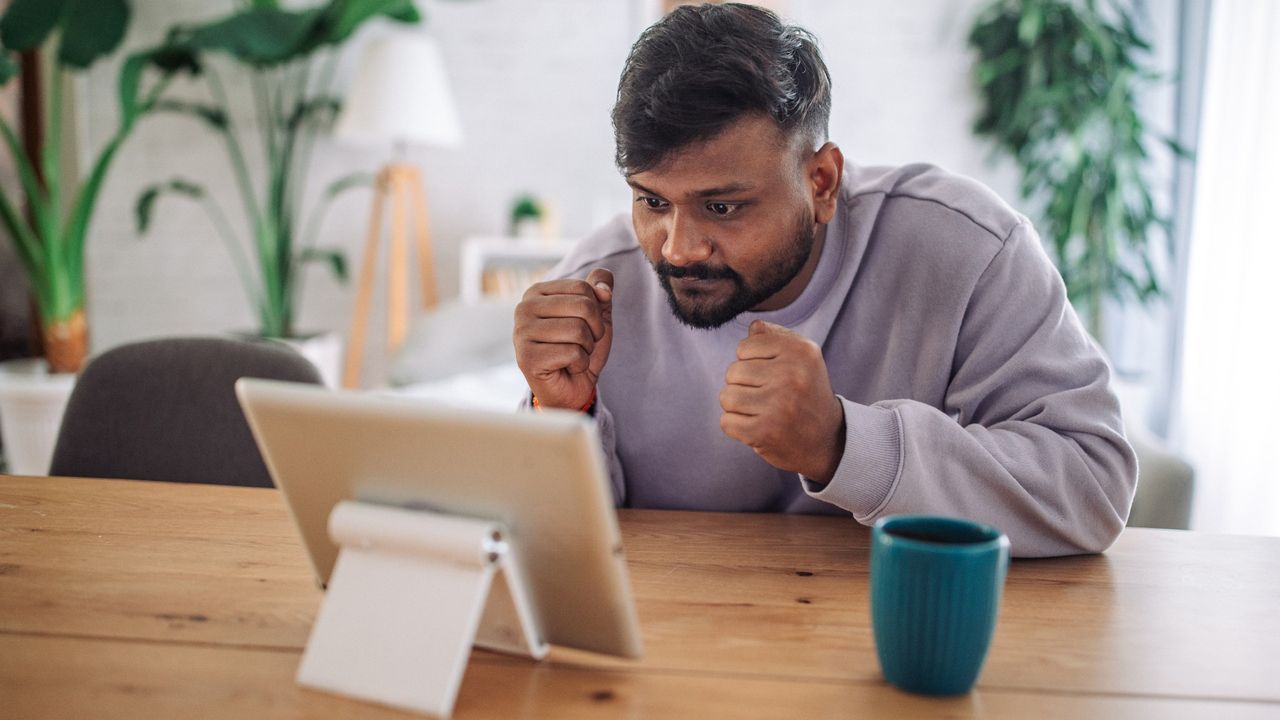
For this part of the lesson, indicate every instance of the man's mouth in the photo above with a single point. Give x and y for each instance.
(697, 285)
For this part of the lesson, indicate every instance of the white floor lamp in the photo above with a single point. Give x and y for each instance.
(399, 97)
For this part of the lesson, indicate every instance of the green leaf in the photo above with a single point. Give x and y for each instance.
(1178, 149)
(175, 58)
(1030, 23)
(145, 206)
(91, 29)
(259, 36)
(214, 116)
(75, 229)
(130, 85)
(987, 72)
(24, 239)
(37, 203)
(170, 60)
(322, 110)
(344, 18)
(348, 182)
(27, 23)
(8, 67)
(336, 259)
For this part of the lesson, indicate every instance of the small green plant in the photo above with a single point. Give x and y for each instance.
(1059, 80)
(290, 56)
(51, 245)
(526, 209)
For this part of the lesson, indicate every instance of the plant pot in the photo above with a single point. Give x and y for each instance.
(32, 401)
(324, 350)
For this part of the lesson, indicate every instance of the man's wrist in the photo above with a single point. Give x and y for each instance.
(589, 407)
(835, 452)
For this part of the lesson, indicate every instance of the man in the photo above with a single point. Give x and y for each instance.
(777, 331)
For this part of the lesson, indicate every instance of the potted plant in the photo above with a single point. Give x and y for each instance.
(289, 56)
(50, 236)
(1059, 81)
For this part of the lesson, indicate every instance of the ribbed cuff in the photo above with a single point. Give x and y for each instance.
(871, 462)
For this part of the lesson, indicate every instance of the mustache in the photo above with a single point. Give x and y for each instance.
(700, 271)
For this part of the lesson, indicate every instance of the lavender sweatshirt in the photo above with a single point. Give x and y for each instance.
(969, 386)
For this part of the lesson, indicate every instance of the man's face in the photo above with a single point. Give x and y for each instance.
(728, 224)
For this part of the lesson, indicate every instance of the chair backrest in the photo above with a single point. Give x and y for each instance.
(167, 410)
(1166, 484)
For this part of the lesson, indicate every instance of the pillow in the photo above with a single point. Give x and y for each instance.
(455, 338)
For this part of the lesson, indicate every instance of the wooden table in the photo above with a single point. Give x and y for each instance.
(151, 600)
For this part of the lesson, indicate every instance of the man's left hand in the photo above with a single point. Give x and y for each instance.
(778, 400)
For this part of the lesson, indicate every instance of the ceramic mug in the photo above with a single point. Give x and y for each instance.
(936, 584)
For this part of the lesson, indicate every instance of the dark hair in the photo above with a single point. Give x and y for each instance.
(701, 68)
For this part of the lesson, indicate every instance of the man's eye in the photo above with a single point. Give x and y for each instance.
(652, 203)
(722, 209)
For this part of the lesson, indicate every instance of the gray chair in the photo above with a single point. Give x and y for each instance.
(166, 410)
(1166, 484)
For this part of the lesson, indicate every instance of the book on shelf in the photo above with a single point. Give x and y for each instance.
(511, 280)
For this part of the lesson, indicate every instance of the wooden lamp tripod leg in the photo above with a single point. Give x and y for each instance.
(426, 258)
(364, 293)
(402, 185)
(398, 263)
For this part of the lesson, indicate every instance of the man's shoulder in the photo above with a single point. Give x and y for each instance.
(963, 198)
(612, 245)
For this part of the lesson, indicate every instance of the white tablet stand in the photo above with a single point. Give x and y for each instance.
(411, 591)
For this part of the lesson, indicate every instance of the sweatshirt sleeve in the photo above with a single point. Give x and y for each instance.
(1030, 440)
(609, 443)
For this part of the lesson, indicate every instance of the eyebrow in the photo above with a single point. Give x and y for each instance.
(730, 189)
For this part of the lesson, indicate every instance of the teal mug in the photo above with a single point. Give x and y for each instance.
(936, 584)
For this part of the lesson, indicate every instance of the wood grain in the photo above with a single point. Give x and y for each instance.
(70, 678)
(735, 609)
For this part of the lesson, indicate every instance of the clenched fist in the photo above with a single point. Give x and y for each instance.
(778, 400)
(563, 331)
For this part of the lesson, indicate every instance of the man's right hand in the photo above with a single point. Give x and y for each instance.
(563, 330)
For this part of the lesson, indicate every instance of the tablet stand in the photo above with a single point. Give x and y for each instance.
(411, 591)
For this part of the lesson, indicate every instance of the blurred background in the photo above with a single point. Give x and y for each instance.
(517, 164)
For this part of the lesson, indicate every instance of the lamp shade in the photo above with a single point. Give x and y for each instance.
(400, 94)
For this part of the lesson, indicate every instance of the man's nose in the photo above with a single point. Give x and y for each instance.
(685, 243)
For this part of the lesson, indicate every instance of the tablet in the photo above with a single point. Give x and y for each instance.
(540, 474)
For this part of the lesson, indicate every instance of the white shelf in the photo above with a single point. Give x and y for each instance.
(523, 259)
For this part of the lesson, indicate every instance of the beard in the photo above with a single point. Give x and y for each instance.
(704, 311)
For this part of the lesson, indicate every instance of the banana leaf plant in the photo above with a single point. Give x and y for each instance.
(50, 235)
(289, 56)
(1060, 81)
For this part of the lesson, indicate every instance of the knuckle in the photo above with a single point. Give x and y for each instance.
(812, 351)
(737, 371)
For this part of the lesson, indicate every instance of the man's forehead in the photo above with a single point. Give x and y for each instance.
(743, 157)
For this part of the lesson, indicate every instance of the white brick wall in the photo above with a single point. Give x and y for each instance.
(534, 83)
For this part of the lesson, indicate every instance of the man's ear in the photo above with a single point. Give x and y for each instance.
(824, 170)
